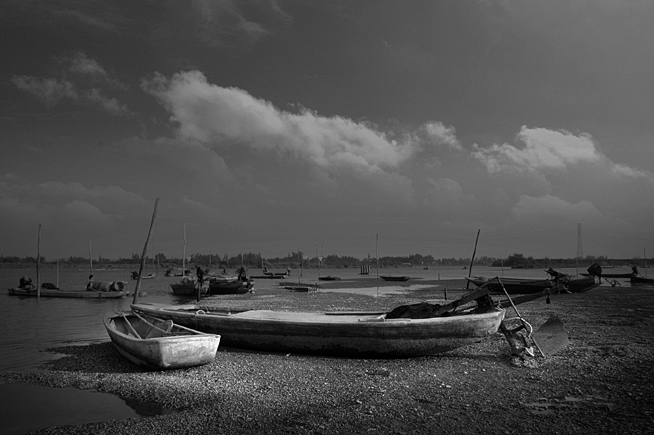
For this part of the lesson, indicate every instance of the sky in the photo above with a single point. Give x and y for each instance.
(346, 127)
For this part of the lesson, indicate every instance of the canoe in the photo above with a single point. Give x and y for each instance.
(188, 288)
(150, 275)
(329, 278)
(517, 286)
(157, 344)
(229, 287)
(345, 334)
(395, 277)
(272, 275)
(67, 293)
(640, 280)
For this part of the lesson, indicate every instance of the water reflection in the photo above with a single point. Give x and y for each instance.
(26, 407)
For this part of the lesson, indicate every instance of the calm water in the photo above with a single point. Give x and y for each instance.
(30, 326)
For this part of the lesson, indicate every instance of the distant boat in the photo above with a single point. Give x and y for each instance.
(610, 275)
(272, 275)
(329, 278)
(159, 344)
(640, 280)
(188, 288)
(395, 277)
(151, 275)
(512, 285)
(67, 293)
(219, 286)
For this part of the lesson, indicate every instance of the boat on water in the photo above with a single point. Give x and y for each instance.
(353, 334)
(265, 274)
(395, 277)
(151, 275)
(67, 293)
(516, 286)
(157, 344)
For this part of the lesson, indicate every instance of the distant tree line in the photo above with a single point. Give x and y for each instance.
(300, 259)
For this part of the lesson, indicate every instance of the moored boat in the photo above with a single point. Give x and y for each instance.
(395, 277)
(641, 280)
(189, 288)
(227, 287)
(512, 285)
(58, 293)
(159, 344)
(340, 333)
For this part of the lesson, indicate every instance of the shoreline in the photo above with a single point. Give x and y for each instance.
(601, 383)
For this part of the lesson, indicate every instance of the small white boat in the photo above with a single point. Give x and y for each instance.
(158, 344)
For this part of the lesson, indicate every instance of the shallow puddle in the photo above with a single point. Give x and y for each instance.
(26, 407)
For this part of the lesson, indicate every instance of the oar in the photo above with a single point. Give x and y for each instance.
(150, 324)
(129, 325)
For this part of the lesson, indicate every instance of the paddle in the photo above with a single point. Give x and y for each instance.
(151, 325)
(129, 325)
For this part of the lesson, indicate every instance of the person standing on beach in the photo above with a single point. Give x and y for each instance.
(90, 284)
(200, 274)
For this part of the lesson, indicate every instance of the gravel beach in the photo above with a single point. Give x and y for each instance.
(603, 382)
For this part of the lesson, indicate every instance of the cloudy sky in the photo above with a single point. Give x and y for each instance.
(274, 126)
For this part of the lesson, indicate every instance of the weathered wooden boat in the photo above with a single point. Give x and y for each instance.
(641, 280)
(157, 344)
(272, 275)
(67, 293)
(329, 278)
(341, 333)
(395, 277)
(516, 286)
(188, 288)
(151, 275)
(229, 287)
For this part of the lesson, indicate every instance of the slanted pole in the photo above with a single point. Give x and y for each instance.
(474, 252)
(145, 250)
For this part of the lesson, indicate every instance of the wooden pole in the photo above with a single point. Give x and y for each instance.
(90, 259)
(145, 250)
(474, 252)
(38, 263)
(377, 253)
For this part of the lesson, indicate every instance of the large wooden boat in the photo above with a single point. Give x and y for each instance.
(641, 280)
(67, 293)
(229, 286)
(159, 344)
(188, 288)
(517, 286)
(342, 333)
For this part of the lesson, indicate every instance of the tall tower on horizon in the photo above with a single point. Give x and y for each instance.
(580, 248)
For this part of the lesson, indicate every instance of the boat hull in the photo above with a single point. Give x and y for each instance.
(394, 278)
(67, 293)
(187, 289)
(186, 348)
(513, 286)
(639, 280)
(229, 288)
(361, 336)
